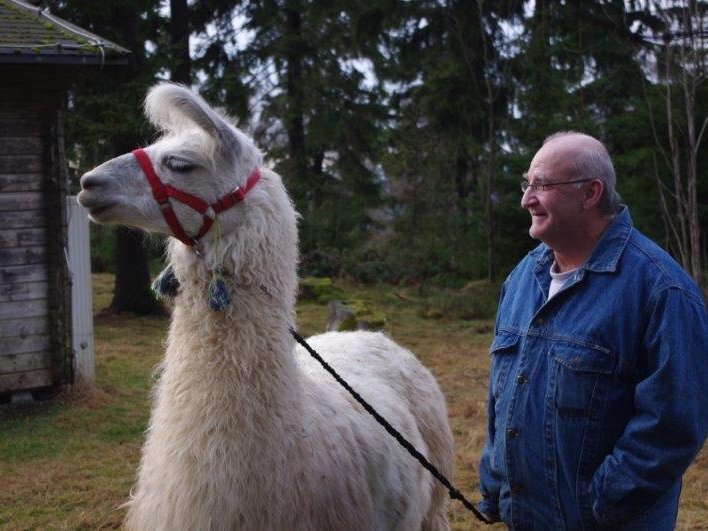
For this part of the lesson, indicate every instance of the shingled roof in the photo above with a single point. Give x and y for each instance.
(30, 35)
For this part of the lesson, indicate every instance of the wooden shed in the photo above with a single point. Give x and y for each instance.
(40, 54)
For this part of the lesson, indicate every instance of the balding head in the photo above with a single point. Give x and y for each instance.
(575, 140)
(584, 157)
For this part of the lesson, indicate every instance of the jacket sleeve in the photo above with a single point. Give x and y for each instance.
(489, 486)
(670, 417)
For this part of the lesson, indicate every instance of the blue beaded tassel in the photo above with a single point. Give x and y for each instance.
(219, 295)
(165, 286)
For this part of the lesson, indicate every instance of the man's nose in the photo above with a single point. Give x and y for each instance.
(528, 198)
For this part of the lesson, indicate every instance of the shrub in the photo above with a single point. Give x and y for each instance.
(321, 263)
(476, 300)
(319, 289)
(360, 316)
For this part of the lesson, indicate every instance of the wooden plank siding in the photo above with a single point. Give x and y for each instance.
(25, 380)
(23, 309)
(38, 344)
(33, 347)
(21, 163)
(24, 291)
(12, 256)
(18, 201)
(24, 145)
(22, 274)
(15, 363)
(25, 237)
(17, 126)
(38, 325)
(20, 182)
(33, 361)
(22, 219)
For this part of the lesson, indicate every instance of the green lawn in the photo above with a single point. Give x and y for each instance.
(70, 463)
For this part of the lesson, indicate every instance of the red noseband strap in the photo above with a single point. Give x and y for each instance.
(162, 193)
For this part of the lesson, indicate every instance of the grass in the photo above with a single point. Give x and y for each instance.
(69, 463)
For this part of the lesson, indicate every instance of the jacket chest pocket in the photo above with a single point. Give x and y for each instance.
(504, 351)
(581, 378)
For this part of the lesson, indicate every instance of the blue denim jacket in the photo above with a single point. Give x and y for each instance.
(598, 397)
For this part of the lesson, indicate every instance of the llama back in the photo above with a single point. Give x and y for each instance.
(397, 385)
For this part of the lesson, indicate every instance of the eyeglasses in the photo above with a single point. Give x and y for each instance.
(541, 186)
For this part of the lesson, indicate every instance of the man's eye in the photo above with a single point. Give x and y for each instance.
(177, 164)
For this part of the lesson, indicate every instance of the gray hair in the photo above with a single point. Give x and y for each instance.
(595, 163)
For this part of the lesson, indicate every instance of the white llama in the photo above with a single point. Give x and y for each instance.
(247, 431)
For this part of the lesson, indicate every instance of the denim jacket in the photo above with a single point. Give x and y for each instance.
(598, 396)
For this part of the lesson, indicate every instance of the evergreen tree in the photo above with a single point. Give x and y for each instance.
(450, 61)
(317, 117)
(402, 128)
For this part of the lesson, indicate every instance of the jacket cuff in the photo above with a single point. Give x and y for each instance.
(488, 510)
(605, 514)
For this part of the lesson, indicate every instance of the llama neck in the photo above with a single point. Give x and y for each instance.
(244, 353)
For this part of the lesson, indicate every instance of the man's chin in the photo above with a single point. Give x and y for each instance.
(535, 232)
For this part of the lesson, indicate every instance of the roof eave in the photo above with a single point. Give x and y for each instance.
(14, 56)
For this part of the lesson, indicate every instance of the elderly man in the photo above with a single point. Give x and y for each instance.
(599, 377)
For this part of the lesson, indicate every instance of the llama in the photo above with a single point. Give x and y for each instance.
(247, 431)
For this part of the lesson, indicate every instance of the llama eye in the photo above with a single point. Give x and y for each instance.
(180, 165)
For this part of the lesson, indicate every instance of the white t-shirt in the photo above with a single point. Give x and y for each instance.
(558, 279)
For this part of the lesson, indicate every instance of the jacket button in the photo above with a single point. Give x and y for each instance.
(541, 321)
(512, 432)
(517, 488)
(521, 379)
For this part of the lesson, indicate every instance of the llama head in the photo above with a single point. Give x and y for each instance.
(202, 154)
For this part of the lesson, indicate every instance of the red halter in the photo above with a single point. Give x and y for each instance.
(162, 192)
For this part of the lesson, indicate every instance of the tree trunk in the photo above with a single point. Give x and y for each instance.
(490, 174)
(692, 69)
(131, 288)
(179, 40)
(680, 55)
(295, 113)
(489, 219)
(131, 292)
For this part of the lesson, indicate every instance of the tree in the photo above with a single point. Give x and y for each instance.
(318, 119)
(682, 54)
(450, 61)
(181, 63)
(401, 128)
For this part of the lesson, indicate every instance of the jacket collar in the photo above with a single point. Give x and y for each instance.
(608, 250)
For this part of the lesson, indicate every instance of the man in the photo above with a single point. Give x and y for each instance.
(598, 385)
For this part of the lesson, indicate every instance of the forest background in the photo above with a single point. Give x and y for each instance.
(402, 129)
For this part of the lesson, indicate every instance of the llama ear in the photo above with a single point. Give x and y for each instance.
(171, 107)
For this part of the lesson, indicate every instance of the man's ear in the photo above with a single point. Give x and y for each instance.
(593, 193)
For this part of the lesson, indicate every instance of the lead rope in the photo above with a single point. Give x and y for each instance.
(454, 493)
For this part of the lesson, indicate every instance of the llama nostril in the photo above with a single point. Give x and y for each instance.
(88, 181)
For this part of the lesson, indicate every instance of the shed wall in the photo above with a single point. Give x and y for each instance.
(33, 346)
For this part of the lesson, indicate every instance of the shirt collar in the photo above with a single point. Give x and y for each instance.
(608, 250)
